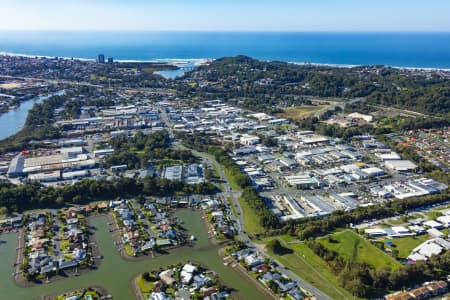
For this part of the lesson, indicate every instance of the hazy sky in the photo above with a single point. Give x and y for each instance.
(248, 15)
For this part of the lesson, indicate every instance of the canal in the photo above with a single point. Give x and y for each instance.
(116, 274)
(13, 120)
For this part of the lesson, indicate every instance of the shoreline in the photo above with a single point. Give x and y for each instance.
(173, 61)
(99, 289)
(202, 61)
(124, 255)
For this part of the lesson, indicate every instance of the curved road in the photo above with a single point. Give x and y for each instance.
(234, 195)
(228, 192)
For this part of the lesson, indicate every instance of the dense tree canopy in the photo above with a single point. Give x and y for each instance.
(261, 85)
(33, 195)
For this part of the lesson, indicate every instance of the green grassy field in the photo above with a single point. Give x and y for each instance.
(311, 268)
(233, 208)
(251, 219)
(433, 215)
(145, 286)
(231, 180)
(443, 208)
(356, 248)
(398, 221)
(407, 244)
(301, 112)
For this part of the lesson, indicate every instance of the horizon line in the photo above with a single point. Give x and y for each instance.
(218, 31)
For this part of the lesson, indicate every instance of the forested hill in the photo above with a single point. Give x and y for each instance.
(259, 84)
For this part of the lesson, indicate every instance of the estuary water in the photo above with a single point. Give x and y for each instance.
(13, 120)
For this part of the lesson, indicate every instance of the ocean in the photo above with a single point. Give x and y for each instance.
(422, 50)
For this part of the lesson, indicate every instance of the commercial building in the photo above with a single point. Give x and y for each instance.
(393, 232)
(45, 176)
(400, 165)
(346, 202)
(318, 204)
(388, 155)
(249, 140)
(68, 159)
(173, 172)
(373, 171)
(101, 58)
(75, 174)
(303, 181)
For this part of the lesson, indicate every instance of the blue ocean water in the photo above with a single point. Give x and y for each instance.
(427, 50)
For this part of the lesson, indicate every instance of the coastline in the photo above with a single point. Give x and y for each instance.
(202, 61)
(175, 61)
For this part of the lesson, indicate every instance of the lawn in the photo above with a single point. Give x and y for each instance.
(301, 112)
(287, 239)
(433, 215)
(145, 286)
(251, 220)
(231, 180)
(128, 250)
(353, 247)
(398, 221)
(443, 207)
(233, 208)
(313, 269)
(94, 295)
(407, 244)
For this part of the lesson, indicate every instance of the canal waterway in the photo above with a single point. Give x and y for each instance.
(116, 274)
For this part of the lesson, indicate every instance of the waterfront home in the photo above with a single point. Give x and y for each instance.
(166, 276)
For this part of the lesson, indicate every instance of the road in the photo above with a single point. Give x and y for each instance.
(244, 237)
(138, 209)
(57, 251)
(229, 193)
(239, 220)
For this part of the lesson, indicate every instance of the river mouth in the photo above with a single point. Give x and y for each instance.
(116, 275)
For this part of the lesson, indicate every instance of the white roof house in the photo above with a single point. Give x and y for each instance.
(433, 224)
(375, 232)
(416, 257)
(444, 220)
(400, 229)
(435, 233)
(189, 268)
(429, 248)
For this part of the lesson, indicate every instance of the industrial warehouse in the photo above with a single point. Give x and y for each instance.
(53, 166)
